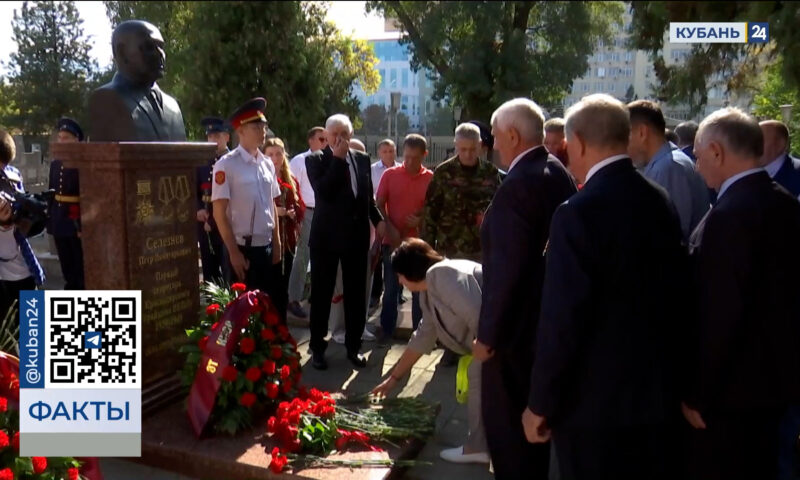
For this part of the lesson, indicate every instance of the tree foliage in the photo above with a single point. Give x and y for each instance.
(219, 54)
(483, 53)
(374, 119)
(50, 73)
(736, 64)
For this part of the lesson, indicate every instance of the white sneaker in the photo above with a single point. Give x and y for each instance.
(338, 338)
(367, 336)
(457, 455)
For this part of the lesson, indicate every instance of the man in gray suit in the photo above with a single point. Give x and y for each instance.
(450, 298)
(132, 107)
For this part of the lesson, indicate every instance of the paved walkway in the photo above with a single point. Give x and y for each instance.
(428, 379)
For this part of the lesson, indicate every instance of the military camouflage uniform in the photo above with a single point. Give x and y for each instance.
(456, 200)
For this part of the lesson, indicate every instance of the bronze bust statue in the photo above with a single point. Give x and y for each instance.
(131, 107)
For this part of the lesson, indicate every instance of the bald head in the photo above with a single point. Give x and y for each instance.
(776, 140)
(728, 142)
(139, 52)
(358, 145)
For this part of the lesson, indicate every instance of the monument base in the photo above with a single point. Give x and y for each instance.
(169, 444)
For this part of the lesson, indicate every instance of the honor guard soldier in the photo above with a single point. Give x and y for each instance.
(211, 244)
(243, 192)
(64, 224)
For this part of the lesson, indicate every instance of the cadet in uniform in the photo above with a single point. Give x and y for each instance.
(243, 192)
(459, 193)
(211, 246)
(65, 215)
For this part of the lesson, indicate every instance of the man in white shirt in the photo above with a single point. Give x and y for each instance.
(243, 194)
(387, 152)
(297, 280)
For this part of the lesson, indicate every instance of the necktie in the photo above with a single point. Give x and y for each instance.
(155, 101)
(30, 259)
(353, 174)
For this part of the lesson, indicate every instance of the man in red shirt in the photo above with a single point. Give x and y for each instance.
(400, 198)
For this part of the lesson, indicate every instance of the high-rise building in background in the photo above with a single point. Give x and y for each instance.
(415, 88)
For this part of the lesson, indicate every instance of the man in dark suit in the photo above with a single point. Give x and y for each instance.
(342, 183)
(745, 365)
(513, 236)
(131, 107)
(604, 379)
(776, 160)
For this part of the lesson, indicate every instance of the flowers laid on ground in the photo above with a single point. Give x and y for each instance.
(12, 466)
(263, 370)
(315, 425)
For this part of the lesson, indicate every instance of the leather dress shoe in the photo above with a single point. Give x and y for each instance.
(357, 360)
(318, 361)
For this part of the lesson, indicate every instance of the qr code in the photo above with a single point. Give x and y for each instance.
(93, 339)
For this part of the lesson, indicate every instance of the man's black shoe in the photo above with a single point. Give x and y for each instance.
(318, 361)
(357, 360)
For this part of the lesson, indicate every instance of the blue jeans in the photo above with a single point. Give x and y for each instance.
(391, 289)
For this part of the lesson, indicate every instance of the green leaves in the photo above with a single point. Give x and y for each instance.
(51, 71)
(735, 64)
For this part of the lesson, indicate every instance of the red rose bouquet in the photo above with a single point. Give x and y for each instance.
(263, 370)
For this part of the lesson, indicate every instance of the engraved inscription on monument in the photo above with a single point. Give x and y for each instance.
(163, 263)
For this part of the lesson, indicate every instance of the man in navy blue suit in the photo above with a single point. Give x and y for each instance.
(745, 363)
(604, 379)
(781, 166)
(513, 237)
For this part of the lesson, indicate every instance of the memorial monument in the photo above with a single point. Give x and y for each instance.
(131, 108)
(137, 202)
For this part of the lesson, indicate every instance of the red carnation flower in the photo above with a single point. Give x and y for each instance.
(230, 373)
(4, 440)
(214, 327)
(276, 352)
(269, 367)
(278, 462)
(285, 372)
(247, 399)
(3, 404)
(272, 424)
(287, 387)
(267, 334)
(341, 442)
(6, 474)
(238, 287)
(202, 343)
(73, 474)
(253, 374)
(39, 464)
(247, 345)
(272, 390)
(272, 318)
(212, 309)
(15, 441)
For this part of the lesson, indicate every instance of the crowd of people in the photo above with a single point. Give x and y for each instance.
(626, 296)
